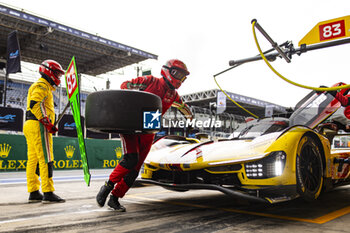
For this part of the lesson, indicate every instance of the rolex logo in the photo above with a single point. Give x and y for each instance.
(69, 151)
(5, 150)
(118, 152)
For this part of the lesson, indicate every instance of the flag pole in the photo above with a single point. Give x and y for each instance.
(5, 88)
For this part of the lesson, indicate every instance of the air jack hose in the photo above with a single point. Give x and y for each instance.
(287, 80)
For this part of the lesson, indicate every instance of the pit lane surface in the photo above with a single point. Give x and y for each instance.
(154, 209)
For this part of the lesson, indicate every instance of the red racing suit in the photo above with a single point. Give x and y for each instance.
(345, 102)
(137, 146)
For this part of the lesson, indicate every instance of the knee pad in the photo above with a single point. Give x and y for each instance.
(129, 161)
(130, 177)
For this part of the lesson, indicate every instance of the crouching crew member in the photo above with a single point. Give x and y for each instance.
(137, 146)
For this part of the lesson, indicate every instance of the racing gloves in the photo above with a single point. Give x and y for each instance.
(48, 125)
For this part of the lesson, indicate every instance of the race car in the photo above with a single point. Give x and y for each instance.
(272, 160)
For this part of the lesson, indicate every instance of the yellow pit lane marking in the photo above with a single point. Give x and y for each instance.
(320, 220)
(332, 215)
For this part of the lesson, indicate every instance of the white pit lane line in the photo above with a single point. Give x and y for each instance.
(55, 179)
(102, 209)
(53, 215)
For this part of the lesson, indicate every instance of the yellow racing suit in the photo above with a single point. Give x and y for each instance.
(39, 141)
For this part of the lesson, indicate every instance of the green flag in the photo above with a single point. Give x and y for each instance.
(72, 87)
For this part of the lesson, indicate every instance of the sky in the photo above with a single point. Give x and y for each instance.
(206, 35)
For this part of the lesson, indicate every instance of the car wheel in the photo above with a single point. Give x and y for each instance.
(309, 169)
(120, 111)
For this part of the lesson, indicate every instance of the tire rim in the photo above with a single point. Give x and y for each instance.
(310, 168)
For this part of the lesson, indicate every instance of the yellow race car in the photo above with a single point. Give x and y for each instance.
(272, 160)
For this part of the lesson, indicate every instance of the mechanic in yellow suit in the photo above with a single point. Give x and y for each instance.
(38, 129)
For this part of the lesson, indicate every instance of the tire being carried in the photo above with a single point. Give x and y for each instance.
(121, 111)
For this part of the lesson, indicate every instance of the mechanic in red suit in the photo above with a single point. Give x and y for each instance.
(339, 122)
(137, 146)
(344, 100)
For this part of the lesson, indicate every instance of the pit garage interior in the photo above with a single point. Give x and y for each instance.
(40, 39)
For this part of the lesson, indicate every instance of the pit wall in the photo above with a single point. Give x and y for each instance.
(101, 153)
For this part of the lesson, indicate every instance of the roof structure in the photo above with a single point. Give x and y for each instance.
(257, 107)
(42, 39)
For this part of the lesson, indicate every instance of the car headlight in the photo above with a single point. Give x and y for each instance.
(270, 166)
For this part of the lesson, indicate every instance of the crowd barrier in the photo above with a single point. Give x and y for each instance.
(101, 153)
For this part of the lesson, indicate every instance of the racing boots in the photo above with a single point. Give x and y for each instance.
(50, 197)
(35, 196)
(103, 193)
(114, 204)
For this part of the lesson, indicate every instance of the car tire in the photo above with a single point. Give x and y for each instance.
(120, 111)
(309, 169)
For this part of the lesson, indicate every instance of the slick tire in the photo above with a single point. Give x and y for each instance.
(309, 169)
(120, 111)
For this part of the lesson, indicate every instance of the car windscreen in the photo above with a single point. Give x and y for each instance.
(263, 127)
